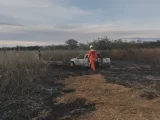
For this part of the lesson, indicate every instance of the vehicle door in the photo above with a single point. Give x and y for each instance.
(86, 61)
(99, 60)
(79, 60)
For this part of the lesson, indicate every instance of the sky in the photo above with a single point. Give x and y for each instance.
(45, 22)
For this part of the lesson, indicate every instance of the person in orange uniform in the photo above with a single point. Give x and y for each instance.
(92, 56)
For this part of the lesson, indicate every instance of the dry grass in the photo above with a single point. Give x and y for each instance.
(19, 74)
(18, 71)
(24, 66)
(61, 55)
(144, 55)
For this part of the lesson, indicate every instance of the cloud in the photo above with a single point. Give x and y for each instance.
(54, 21)
(38, 12)
(4, 43)
(100, 10)
(56, 34)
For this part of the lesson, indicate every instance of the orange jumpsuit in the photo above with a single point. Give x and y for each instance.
(92, 55)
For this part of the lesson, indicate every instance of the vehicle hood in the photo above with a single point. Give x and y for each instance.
(73, 59)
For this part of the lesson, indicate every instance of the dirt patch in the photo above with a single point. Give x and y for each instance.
(149, 95)
(111, 101)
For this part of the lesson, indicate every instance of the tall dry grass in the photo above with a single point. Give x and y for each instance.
(143, 55)
(18, 71)
(61, 55)
(19, 77)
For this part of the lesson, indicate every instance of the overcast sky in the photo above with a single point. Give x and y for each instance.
(42, 22)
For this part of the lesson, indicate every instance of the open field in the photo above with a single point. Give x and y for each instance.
(151, 55)
(32, 90)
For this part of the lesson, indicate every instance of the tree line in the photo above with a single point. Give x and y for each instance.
(101, 44)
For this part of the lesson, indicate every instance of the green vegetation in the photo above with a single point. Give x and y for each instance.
(100, 44)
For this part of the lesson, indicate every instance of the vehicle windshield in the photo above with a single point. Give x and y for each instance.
(80, 57)
(97, 55)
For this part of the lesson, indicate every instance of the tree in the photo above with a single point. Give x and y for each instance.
(72, 43)
(83, 46)
(139, 41)
(118, 41)
(104, 43)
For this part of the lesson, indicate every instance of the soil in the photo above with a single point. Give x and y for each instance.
(112, 101)
(125, 91)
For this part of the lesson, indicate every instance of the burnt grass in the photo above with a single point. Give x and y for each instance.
(132, 74)
(42, 104)
(139, 75)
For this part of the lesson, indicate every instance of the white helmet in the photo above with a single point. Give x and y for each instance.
(91, 46)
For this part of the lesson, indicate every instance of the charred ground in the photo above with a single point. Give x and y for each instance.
(43, 104)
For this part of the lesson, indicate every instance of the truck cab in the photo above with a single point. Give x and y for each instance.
(82, 60)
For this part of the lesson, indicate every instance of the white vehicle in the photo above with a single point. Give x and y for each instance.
(82, 60)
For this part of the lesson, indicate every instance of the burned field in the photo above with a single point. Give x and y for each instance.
(42, 104)
(39, 103)
(132, 74)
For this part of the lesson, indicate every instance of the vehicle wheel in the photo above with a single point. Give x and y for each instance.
(109, 65)
(98, 64)
(72, 64)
